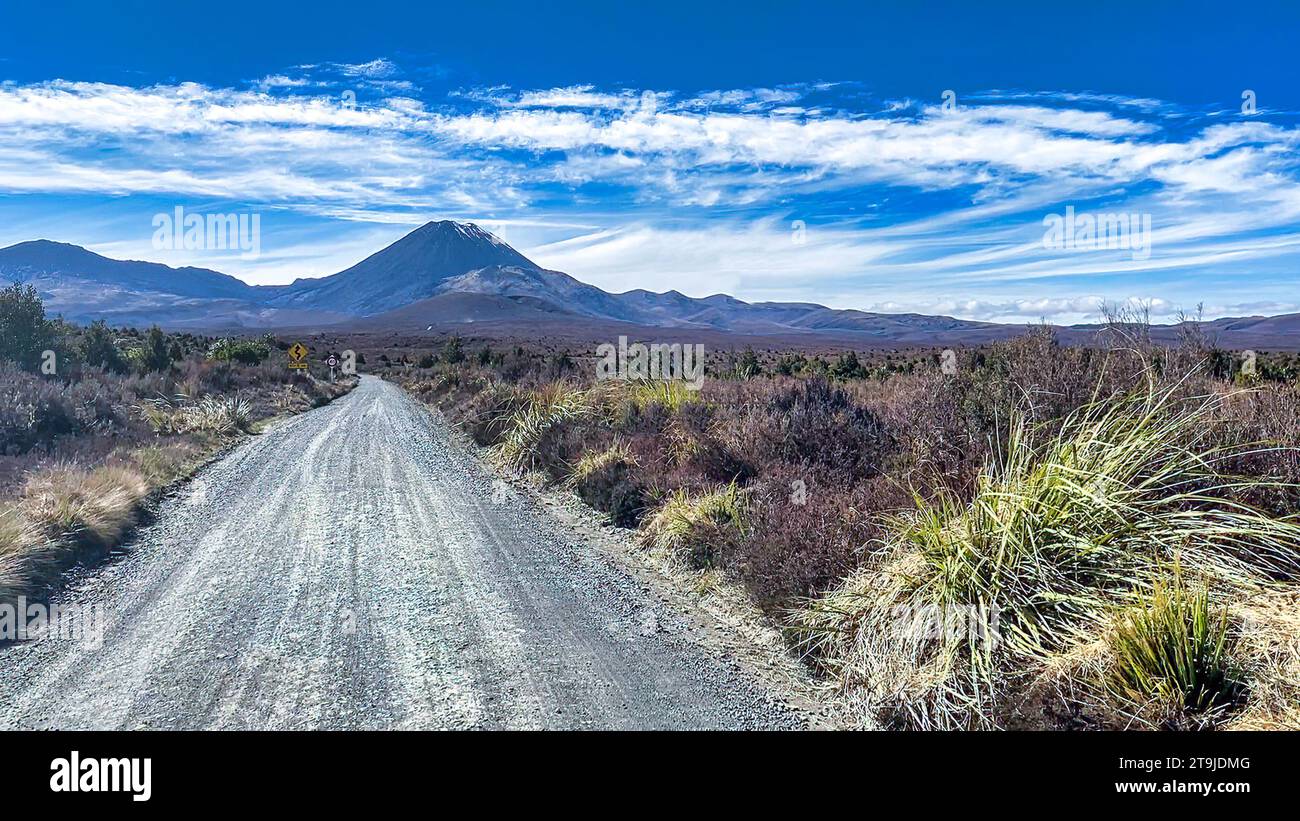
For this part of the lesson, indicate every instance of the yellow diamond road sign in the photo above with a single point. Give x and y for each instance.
(297, 355)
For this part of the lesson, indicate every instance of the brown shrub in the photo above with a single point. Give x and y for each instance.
(811, 423)
(805, 534)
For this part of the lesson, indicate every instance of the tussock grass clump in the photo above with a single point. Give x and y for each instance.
(93, 505)
(24, 553)
(604, 479)
(1058, 536)
(1170, 655)
(211, 414)
(62, 509)
(671, 395)
(697, 529)
(545, 412)
(492, 412)
(617, 454)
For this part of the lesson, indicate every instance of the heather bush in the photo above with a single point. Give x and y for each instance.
(37, 411)
(814, 424)
(806, 534)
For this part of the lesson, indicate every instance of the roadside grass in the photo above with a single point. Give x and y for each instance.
(544, 414)
(210, 414)
(493, 412)
(605, 481)
(24, 553)
(161, 465)
(1058, 538)
(696, 530)
(61, 512)
(93, 505)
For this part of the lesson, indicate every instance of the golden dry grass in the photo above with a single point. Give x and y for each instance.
(596, 461)
(1268, 649)
(97, 505)
(24, 552)
(163, 464)
(693, 529)
(62, 509)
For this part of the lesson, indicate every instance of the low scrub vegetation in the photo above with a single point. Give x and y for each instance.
(93, 420)
(1057, 539)
(1103, 536)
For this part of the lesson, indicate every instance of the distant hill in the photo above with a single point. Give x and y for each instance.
(448, 274)
(47, 264)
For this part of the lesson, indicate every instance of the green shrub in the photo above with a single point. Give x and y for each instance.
(99, 350)
(25, 333)
(453, 352)
(155, 355)
(243, 351)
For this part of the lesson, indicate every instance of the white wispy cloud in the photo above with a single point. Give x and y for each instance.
(698, 191)
(379, 68)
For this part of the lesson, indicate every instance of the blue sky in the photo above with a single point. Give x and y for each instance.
(771, 151)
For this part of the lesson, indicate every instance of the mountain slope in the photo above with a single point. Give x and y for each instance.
(455, 308)
(45, 263)
(409, 270)
(555, 287)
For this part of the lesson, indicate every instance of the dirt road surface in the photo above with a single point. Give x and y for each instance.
(357, 567)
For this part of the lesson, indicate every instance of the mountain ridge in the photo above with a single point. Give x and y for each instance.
(414, 283)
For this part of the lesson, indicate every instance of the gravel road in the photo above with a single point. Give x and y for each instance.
(357, 567)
